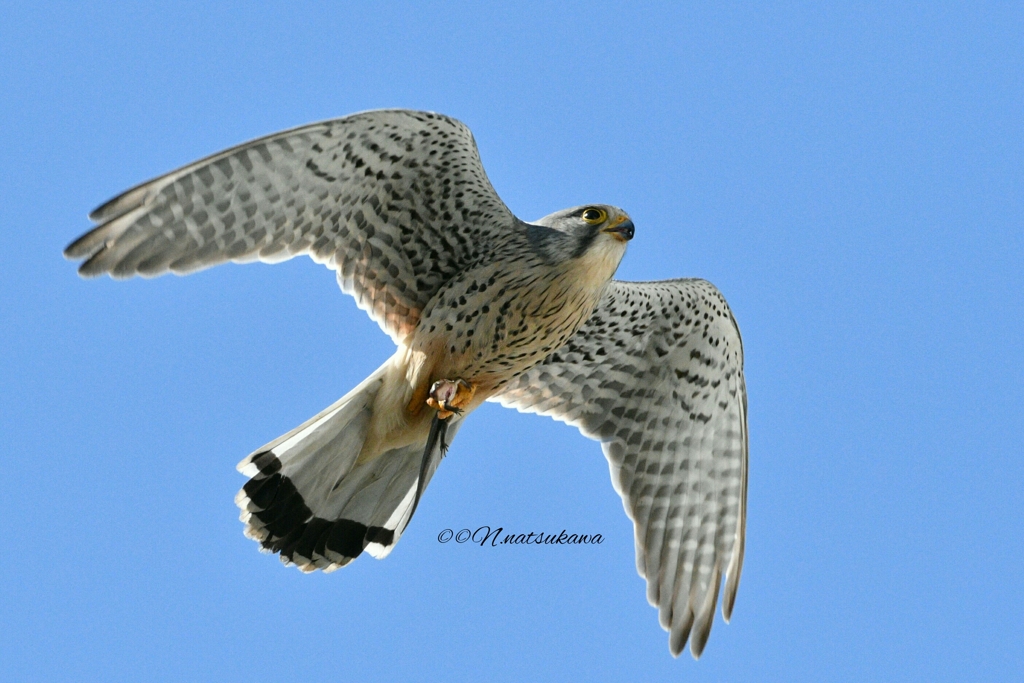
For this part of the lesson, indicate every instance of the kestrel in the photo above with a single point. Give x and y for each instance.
(482, 306)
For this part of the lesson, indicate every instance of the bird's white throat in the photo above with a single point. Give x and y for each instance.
(599, 263)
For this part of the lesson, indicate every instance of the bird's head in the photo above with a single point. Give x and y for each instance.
(585, 230)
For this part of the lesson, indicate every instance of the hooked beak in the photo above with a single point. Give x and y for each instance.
(623, 230)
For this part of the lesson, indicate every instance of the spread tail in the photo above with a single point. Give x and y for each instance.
(309, 500)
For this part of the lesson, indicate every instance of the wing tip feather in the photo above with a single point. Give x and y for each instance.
(679, 634)
(122, 203)
(732, 584)
(706, 619)
(86, 245)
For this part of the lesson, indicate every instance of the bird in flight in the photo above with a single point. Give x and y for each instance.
(482, 307)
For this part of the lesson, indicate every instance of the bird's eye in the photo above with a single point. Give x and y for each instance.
(594, 216)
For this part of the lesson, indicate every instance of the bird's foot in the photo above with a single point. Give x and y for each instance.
(450, 397)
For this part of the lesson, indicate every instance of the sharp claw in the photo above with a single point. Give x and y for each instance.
(448, 397)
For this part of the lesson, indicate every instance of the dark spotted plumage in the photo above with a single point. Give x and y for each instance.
(656, 375)
(398, 204)
(396, 201)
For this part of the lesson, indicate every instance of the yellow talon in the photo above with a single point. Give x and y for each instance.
(450, 397)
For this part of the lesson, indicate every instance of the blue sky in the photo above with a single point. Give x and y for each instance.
(850, 175)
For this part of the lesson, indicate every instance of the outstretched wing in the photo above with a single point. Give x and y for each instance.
(396, 201)
(656, 375)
